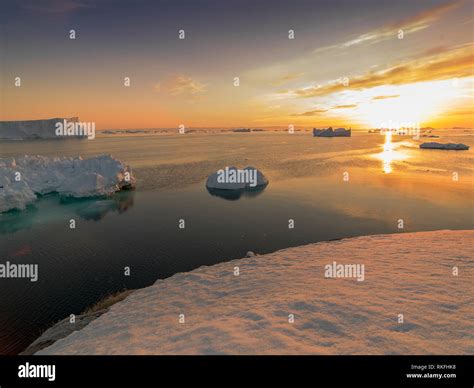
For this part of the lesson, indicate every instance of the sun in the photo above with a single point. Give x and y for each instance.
(408, 106)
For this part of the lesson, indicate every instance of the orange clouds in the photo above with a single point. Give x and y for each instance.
(349, 106)
(286, 78)
(315, 112)
(318, 112)
(385, 97)
(180, 85)
(453, 63)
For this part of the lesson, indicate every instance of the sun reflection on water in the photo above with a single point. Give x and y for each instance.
(387, 155)
(393, 152)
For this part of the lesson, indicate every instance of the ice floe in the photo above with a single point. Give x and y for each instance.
(23, 178)
(445, 146)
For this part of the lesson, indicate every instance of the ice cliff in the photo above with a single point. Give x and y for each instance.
(32, 129)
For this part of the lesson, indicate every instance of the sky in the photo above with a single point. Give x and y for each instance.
(353, 63)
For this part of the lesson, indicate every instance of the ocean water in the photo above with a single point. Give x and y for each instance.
(329, 188)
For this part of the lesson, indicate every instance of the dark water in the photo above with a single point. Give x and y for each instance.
(140, 229)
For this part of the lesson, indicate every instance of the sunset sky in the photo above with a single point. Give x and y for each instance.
(427, 77)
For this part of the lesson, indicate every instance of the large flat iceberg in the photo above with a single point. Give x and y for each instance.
(23, 178)
(33, 129)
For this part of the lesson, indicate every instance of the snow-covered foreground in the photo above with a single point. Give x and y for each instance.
(21, 179)
(409, 274)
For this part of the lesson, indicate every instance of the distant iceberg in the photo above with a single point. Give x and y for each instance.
(329, 132)
(33, 129)
(445, 146)
(22, 179)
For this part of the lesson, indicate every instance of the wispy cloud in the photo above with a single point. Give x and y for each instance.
(415, 23)
(318, 112)
(315, 112)
(349, 106)
(286, 78)
(385, 97)
(56, 7)
(452, 63)
(181, 85)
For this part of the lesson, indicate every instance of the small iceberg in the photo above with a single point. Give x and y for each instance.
(22, 179)
(231, 182)
(329, 132)
(445, 146)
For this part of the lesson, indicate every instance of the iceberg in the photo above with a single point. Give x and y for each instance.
(445, 146)
(231, 178)
(231, 183)
(338, 132)
(33, 129)
(23, 178)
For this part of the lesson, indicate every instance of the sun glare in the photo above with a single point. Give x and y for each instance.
(391, 152)
(387, 154)
(407, 105)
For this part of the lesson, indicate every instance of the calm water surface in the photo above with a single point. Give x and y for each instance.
(386, 179)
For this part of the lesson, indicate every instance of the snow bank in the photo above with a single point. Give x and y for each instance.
(32, 129)
(21, 179)
(409, 274)
(445, 146)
